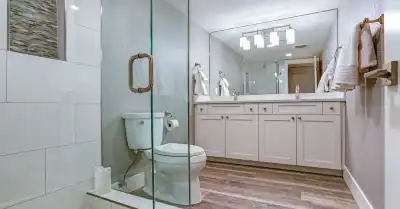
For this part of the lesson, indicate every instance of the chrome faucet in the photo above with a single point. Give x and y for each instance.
(297, 92)
(235, 95)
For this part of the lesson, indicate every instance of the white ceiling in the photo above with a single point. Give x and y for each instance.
(312, 30)
(213, 15)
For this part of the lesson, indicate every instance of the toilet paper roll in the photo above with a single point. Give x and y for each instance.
(172, 124)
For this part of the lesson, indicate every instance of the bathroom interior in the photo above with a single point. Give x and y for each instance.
(201, 104)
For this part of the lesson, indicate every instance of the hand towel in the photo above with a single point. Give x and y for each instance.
(346, 75)
(199, 78)
(224, 87)
(323, 85)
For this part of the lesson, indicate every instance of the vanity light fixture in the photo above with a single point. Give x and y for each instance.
(259, 40)
(243, 39)
(246, 45)
(289, 54)
(274, 38)
(290, 36)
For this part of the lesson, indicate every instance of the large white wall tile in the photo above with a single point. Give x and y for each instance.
(3, 75)
(87, 122)
(3, 24)
(22, 177)
(83, 45)
(29, 126)
(89, 14)
(36, 79)
(70, 165)
(69, 198)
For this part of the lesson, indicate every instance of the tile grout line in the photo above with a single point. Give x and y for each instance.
(49, 148)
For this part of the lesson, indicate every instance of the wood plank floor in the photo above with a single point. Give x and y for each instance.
(227, 186)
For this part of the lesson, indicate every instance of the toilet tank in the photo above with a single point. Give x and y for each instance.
(138, 129)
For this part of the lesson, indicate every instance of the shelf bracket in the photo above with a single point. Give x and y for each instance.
(388, 75)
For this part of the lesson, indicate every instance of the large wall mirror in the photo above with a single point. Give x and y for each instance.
(273, 57)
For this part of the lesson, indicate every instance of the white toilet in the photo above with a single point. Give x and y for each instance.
(171, 161)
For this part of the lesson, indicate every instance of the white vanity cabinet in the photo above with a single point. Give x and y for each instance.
(277, 139)
(292, 133)
(210, 134)
(242, 137)
(319, 141)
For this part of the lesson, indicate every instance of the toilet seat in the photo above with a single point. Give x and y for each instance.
(177, 154)
(178, 150)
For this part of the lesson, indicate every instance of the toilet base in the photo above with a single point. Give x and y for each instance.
(173, 190)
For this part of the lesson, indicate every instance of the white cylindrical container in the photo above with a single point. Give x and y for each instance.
(138, 129)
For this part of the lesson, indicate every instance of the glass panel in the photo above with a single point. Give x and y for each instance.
(148, 152)
(171, 95)
(127, 119)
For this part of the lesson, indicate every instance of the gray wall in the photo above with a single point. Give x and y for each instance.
(365, 113)
(228, 61)
(263, 76)
(125, 32)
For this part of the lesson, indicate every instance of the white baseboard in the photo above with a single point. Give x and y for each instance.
(355, 189)
(133, 183)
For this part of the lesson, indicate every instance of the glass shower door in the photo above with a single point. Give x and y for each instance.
(145, 83)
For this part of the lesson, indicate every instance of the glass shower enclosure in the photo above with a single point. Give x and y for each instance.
(145, 82)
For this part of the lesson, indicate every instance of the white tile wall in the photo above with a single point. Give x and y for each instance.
(87, 122)
(36, 79)
(68, 198)
(2, 75)
(83, 36)
(22, 177)
(69, 165)
(89, 14)
(3, 24)
(50, 118)
(28, 126)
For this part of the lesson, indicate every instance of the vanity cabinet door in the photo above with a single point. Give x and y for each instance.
(242, 137)
(319, 141)
(210, 134)
(277, 139)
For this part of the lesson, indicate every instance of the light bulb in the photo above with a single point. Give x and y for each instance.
(259, 40)
(242, 41)
(246, 45)
(288, 54)
(274, 38)
(290, 36)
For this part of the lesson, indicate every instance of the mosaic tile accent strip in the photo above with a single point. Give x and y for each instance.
(33, 27)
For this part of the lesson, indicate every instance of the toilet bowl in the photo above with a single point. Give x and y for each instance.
(173, 163)
(171, 173)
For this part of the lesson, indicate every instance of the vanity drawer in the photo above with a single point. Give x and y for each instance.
(265, 109)
(251, 109)
(226, 109)
(298, 108)
(201, 109)
(331, 108)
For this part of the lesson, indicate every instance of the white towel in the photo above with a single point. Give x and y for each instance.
(224, 85)
(200, 78)
(346, 72)
(323, 85)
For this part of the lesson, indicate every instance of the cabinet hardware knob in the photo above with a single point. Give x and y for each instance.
(299, 118)
(227, 117)
(201, 109)
(331, 108)
(265, 109)
(293, 118)
(251, 109)
(222, 117)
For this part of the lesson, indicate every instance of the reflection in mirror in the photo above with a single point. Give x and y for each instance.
(273, 57)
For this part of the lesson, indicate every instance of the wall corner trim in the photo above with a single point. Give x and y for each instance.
(356, 191)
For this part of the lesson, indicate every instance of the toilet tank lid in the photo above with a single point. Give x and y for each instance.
(142, 115)
(178, 150)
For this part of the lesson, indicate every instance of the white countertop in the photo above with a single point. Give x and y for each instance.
(304, 97)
